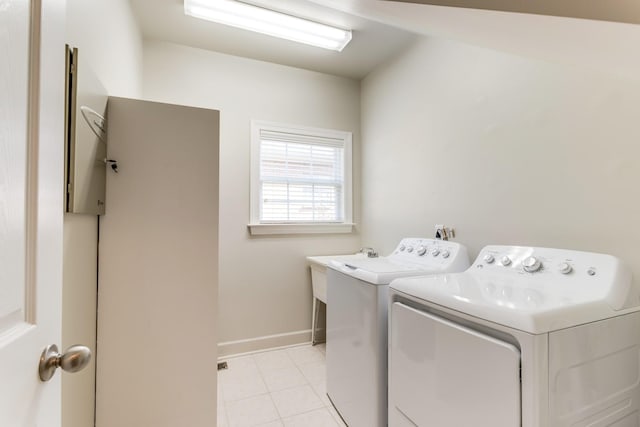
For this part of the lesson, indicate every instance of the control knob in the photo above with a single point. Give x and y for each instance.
(488, 258)
(565, 268)
(402, 248)
(435, 252)
(421, 250)
(410, 249)
(445, 254)
(505, 261)
(531, 264)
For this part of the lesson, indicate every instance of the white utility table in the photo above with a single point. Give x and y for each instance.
(318, 266)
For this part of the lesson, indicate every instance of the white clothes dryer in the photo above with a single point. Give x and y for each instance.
(529, 337)
(357, 300)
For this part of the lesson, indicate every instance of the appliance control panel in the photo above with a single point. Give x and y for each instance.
(429, 252)
(523, 260)
(557, 272)
(535, 290)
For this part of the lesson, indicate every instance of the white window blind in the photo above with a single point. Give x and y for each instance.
(302, 177)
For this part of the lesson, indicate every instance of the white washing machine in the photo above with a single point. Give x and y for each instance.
(357, 300)
(529, 337)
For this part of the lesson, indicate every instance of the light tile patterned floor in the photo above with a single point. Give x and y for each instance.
(276, 388)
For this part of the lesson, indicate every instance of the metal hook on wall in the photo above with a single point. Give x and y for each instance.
(113, 164)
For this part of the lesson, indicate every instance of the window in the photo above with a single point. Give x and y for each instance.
(300, 180)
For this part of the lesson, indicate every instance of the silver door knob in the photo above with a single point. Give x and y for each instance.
(74, 359)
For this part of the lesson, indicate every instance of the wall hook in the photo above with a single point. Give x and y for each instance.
(113, 164)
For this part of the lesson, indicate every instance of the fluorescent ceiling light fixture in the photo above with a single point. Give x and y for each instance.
(270, 22)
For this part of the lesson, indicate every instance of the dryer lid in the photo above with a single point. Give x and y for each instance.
(536, 290)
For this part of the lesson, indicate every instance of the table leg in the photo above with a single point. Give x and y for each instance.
(314, 320)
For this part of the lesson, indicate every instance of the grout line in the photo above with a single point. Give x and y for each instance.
(226, 414)
(297, 366)
(319, 396)
(275, 406)
(224, 405)
(285, 353)
(311, 410)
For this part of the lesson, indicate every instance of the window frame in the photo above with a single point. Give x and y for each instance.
(256, 227)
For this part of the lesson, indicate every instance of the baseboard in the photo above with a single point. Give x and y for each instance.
(267, 342)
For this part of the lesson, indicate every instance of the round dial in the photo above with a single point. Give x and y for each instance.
(402, 248)
(531, 264)
(505, 261)
(410, 249)
(435, 252)
(445, 254)
(565, 268)
(421, 250)
(488, 258)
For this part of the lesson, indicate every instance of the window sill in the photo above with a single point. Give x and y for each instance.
(327, 228)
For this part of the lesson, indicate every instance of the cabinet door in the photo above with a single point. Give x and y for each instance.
(158, 268)
(443, 374)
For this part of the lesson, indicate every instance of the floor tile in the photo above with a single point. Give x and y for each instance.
(284, 387)
(318, 418)
(305, 354)
(220, 391)
(272, 424)
(241, 363)
(321, 390)
(281, 379)
(272, 360)
(222, 415)
(336, 416)
(297, 400)
(314, 372)
(235, 373)
(243, 386)
(253, 411)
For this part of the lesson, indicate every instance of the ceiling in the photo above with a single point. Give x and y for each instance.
(382, 29)
(627, 11)
(373, 42)
(583, 44)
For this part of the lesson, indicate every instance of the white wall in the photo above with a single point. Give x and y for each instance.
(106, 33)
(264, 282)
(109, 40)
(506, 149)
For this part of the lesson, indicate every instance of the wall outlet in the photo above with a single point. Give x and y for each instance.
(443, 232)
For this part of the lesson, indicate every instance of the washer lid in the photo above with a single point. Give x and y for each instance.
(413, 256)
(323, 261)
(378, 271)
(560, 289)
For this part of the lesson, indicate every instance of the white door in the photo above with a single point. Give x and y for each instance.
(31, 168)
(437, 368)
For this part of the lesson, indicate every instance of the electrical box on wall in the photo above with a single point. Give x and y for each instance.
(85, 138)
(443, 232)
